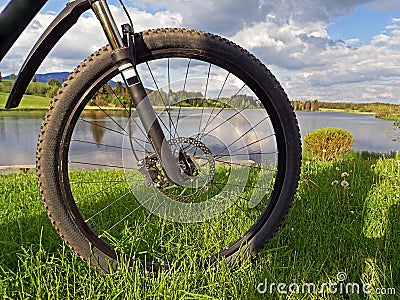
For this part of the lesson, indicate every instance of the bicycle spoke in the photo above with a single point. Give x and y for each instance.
(145, 222)
(220, 111)
(127, 111)
(204, 99)
(108, 206)
(246, 154)
(123, 219)
(169, 99)
(111, 118)
(99, 165)
(243, 165)
(163, 101)
(252, 143)
(225, 121)
(118, 132)
(180, 104)
(240, 185)
(234, 202)
(90, 196)
(105, 145)
(104, 127)
(96, 182)
(248, 131)
(215, 105)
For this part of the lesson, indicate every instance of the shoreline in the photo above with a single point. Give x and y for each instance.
(323, 110)
(352, 112)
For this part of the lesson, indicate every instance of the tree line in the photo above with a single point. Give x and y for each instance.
(48, 89)
(381, 110)
(119, 97)
(306, 105)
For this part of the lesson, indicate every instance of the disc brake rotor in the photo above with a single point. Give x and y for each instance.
(195, 160)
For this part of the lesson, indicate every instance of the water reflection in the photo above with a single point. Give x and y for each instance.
(18, 136)
(370, 133)
(98, 131)
(19, 131)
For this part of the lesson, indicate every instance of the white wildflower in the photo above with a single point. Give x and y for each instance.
(344, 184)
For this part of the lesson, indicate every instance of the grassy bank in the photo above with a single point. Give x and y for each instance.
(391, 116)
(29, 102)
(394, 117)
(345, 111)
(329, 230)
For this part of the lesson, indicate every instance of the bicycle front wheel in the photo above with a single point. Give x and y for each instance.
(229, 124)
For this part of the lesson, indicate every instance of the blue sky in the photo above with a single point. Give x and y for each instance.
(342, 50)
(363, 23)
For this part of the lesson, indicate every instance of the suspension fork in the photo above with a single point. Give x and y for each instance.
(123, 58)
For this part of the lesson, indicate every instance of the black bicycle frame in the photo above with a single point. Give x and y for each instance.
(21, 12)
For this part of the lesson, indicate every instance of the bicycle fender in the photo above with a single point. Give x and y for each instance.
(56, 30)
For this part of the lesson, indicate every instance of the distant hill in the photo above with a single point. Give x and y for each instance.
(60, 76)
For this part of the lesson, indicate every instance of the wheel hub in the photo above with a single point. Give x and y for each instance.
(195, 160)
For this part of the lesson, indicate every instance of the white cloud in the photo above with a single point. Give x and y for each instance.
(83, 39)
(291, 37)
(324, 69)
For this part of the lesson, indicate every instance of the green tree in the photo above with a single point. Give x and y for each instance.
(37, 88)
(53, 82)
(120, 95)
(315, 105)
(118, 88)
(308, 105)
(52, 91)
(104, 96)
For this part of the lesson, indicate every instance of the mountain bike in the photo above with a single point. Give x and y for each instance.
(195, 150)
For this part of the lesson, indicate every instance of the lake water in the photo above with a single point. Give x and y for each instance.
(19, 131)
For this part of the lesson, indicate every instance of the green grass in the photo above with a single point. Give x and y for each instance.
(345, 111)
(328, 230)
(29, 102)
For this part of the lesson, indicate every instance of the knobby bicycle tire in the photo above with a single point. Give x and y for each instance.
(67, 192)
